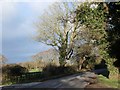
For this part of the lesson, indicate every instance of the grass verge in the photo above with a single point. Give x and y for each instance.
(113, 83)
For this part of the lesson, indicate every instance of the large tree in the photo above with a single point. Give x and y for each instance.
(102, 21)
(58, 27)
(92, 17)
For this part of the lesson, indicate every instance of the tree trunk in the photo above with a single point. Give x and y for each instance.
(80, 63)
(62, 57)
(62, 61)
(79, 67)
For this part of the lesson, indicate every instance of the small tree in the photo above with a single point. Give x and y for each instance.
(3, 59)
(82, 53)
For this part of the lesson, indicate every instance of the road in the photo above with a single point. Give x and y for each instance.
(80, 80)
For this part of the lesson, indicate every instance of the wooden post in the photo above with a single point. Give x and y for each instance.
(119, 77)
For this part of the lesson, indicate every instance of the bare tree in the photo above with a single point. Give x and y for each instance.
(58, 27)
(3, 59)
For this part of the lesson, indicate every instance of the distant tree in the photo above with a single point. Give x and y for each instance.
(38, 61)
(58, 27)
(29, 65)
(3, 59)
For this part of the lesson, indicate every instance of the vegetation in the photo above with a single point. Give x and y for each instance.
(87, 34)
(3, 59)
(95, 17)
(17, 74)
(114, 32)
(52, 70)
(111, 83)
(95, 26)
(56, 28)
(11, 71)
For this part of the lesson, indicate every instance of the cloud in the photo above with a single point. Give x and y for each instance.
(38, 6)
(17, 30)
(31, 0)
(8, 10)
(20, 23)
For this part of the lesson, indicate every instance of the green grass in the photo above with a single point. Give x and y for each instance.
(34, 70)
(108, 82)
(7, 83)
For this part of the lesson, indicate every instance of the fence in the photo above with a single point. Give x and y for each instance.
(26, 77)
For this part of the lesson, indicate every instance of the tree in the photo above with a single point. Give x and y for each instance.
(58, 28)
(99, 19)
(92, 17)
(3, 59)
(82, 53)
(113, 31)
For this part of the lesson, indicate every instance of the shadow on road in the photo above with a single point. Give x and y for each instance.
(102, 69)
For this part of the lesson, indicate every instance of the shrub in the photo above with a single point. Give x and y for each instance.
(51, 70)
(14, 70)
(69, 69)
(9, 72)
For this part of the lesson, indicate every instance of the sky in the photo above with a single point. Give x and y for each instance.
(17, 30)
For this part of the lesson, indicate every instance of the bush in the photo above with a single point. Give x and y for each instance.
(51, 70)
(70, 69)
(9, 72)
(14, 70)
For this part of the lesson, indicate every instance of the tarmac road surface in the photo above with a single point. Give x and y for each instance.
(80, 80)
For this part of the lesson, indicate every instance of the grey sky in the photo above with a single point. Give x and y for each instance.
(18, 30)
